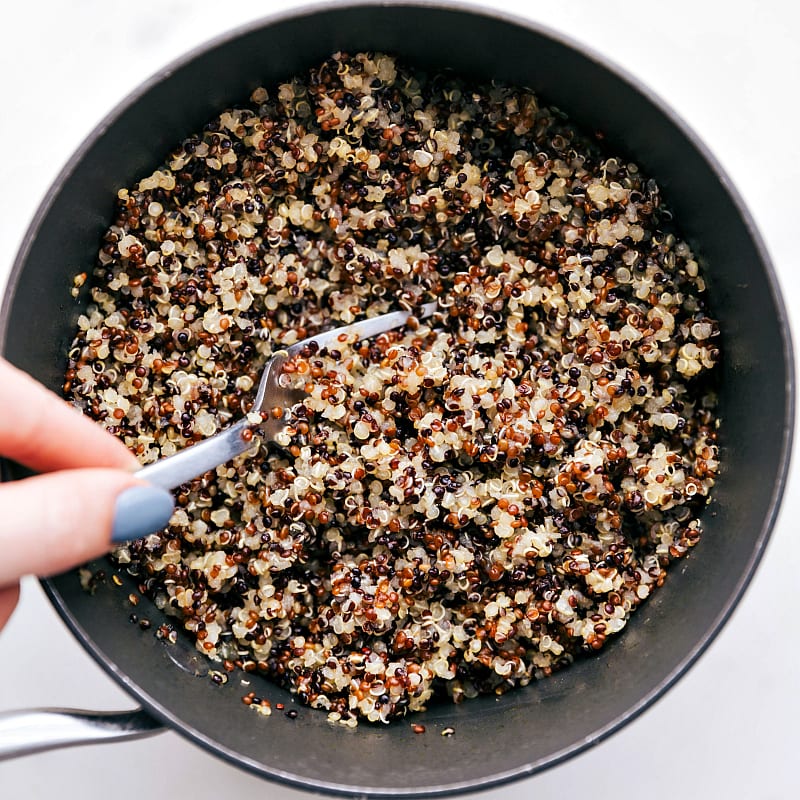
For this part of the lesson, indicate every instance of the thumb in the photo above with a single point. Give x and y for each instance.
(56, 521)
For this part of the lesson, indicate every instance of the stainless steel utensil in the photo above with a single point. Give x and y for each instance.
(272, 393)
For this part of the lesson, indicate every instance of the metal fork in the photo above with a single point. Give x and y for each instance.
(190, 462)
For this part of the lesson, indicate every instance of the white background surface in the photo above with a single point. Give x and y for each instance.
(729, 729)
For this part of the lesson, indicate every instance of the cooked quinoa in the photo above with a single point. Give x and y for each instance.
(457, 507)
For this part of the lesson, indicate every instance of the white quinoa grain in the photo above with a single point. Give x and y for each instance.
(456, 508)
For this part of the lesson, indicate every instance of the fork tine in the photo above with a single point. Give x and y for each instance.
(271, 394)
(366, 328)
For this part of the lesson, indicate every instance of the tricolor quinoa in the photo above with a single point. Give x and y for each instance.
(457, 507)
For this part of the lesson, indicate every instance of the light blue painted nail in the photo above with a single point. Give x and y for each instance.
(141, 510)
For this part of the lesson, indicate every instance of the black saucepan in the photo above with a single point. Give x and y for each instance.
(527, 730)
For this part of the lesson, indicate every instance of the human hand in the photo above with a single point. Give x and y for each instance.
(87, 497)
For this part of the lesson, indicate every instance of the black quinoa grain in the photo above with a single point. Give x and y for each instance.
(461, 507)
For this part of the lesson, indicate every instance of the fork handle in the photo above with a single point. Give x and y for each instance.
(186, 464)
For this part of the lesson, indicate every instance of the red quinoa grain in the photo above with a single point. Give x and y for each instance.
(456, 508)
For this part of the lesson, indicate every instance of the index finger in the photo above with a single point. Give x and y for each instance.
(42, 431)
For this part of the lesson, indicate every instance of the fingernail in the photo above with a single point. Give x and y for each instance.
(141, 510)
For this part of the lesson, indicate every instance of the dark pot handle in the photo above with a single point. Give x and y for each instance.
(35, 730)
